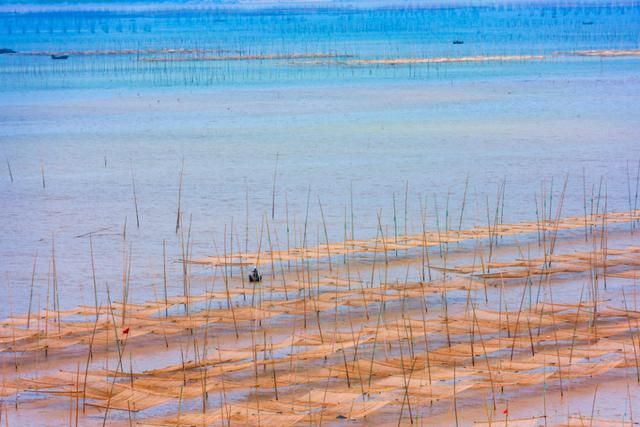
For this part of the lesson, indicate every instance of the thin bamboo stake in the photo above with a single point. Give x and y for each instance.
(226, 285)
(164, 278)
(33, 277)
(178, 212)
(135, 199)
(9, 169)
(326, 235)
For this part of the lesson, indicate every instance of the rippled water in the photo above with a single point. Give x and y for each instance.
(94, 124)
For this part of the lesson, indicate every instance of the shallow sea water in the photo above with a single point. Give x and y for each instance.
(96, 123)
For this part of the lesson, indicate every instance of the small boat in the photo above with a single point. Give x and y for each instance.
(255, 276)
(458, 42)
(4, 50)
(587, 23)
(59, 56)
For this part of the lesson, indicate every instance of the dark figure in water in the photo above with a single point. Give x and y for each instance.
(255, 276)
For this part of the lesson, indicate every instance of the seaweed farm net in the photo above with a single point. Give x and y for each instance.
(320, 343)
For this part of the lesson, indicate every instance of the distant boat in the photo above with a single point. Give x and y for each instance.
(59, 56)
(5, 50)
(458, 42)
(587, 23)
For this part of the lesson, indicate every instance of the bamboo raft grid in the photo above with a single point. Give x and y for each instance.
(202, 54)
(386, 363)
(427, 239)
(336, 388)
(442, 60)
(359, 62)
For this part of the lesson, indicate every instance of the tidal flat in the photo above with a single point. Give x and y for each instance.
(442, 201)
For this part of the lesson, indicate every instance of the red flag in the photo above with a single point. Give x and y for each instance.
(125, 331)
(506, 411)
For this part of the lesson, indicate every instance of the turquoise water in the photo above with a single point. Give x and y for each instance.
(508, 29)
(95, 122)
